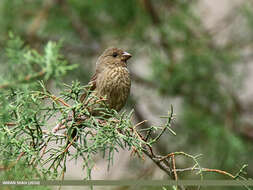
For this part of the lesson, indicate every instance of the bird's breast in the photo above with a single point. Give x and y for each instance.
(115, 85)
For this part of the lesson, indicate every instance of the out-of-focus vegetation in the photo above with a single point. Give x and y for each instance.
(203, 67)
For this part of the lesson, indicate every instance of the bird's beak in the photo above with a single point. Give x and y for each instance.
(126, 56)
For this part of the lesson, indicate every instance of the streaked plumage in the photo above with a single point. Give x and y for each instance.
(111, 80)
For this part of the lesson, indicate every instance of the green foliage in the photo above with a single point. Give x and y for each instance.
(31, 134)
(19, 106)
(24, 65)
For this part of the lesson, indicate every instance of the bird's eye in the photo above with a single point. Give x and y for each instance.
(115, 54)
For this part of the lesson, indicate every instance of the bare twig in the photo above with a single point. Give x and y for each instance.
(174, 166)
(13, 163)
(57, 99)
(60, 124)
(218, 171)
(140, 123)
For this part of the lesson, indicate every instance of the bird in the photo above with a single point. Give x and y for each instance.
(111, 81)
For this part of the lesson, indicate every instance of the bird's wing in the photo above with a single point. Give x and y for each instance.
(91, 87)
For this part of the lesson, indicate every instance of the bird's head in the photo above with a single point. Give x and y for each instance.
(113, 57)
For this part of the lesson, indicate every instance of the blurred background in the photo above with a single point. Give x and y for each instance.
(195, 55)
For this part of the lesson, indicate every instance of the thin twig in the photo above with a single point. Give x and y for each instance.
(139, 123)
(13, 163)
(20, 155)
(174, 167)
(60, 124)
(59, 100)
(218, 171)
(10, 124)
(167, 126)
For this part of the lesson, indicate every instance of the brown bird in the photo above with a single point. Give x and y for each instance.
(110, 81)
